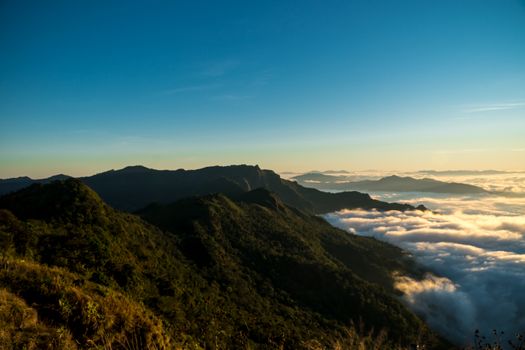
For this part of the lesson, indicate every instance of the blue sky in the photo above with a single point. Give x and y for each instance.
(289, 85)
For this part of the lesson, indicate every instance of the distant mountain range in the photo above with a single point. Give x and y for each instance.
(135, 187)
(387, 184)
(464, 172)
(16, 183)
(235, 271)
(425, 172)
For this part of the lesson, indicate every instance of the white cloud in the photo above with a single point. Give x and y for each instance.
(428, 295)
(476, 244)
(511, 182)
(494, 107)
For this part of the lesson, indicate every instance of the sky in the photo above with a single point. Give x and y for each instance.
(87, 86)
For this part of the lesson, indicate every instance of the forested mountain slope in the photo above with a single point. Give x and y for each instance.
(218, 272)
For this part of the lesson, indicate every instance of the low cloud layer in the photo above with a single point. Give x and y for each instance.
(427, 297)
(503, 182)
(476, 244)
(510, 182)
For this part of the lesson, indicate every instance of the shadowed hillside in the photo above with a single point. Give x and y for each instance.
(220, 273)
(134, 187)
(17, 183)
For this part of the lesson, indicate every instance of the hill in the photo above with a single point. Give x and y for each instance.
(409, 184)
(386, 184)
(320, 178)
(203, 272)
(17, 183)
(134, 187)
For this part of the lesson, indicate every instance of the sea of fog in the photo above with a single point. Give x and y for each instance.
(475, 245)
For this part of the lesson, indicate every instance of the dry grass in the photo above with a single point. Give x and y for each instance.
(355, 338)
(80, 313)
(21, 329)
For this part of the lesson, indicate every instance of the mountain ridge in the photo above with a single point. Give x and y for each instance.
(205, 265)
(135, 187)
(392, 183)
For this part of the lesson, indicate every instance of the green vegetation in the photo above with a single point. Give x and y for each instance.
(204, 272)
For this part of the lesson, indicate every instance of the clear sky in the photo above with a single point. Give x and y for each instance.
(91, 85)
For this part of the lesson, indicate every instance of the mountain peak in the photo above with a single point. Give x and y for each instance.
(17, 179)
(54, 178)
(134, 169)
(394, 177)
(64, 200)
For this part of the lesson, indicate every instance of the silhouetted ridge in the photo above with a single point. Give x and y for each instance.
(53, 178)
(135, 187)
(20, 179)
(406, 183)
(134, 190)
(62, 200)
(391, 178)
(392, 183)
(15, 184)
(134, 169)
